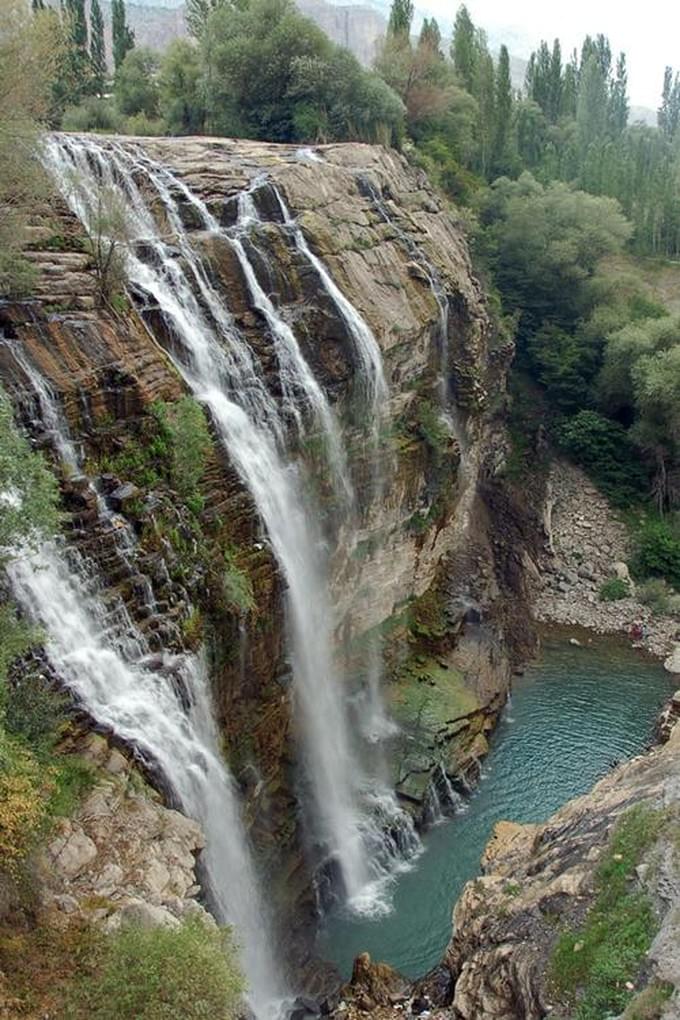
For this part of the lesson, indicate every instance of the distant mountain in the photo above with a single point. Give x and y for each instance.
(643, 114)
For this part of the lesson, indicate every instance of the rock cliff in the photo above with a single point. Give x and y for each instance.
(539, 884)
(427, 574)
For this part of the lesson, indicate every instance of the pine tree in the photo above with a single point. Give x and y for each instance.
(122, 34)
(401, 16)
(464, 48)
(97, 50)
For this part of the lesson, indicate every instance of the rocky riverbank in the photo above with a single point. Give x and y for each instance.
(586, 545)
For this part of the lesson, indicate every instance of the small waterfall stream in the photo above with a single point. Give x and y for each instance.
(356, 821)
(164, 711)
(161, 707)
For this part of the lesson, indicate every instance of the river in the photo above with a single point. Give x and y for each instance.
(573, 713)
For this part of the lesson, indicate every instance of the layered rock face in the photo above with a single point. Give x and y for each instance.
(425, 572)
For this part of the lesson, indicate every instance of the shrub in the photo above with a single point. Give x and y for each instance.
(659, 596)
(614, 590)
(185, 431)
(184, 973)
(25, 789)
(92, 115)
(34, 712)
(657, 550)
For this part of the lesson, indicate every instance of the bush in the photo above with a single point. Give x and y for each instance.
(25, 790)
(659, 596)
(657, 550)
(184, 973)
(604, 449)
(614, 590)
(92, 115)
(34, 712)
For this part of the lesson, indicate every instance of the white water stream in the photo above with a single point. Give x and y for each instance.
(165, 712)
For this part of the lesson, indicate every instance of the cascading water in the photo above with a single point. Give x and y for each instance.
(50, 415)
(449, 410)
(162, 709)
(217, 365)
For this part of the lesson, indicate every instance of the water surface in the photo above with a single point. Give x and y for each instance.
(575, 712)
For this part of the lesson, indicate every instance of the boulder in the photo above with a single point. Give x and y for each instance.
(375, 984)
(672, 663)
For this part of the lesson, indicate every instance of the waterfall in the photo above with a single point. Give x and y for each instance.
(366, 346)
(164, 711)
(50, 414)
(217, 365)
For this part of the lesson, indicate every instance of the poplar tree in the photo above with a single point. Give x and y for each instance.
(97, 48)
(591, 107)
(618, 99)
(464, 48)
(401, 16)
(430, 35)
(503, 112)
(122, 34)
(668, 116)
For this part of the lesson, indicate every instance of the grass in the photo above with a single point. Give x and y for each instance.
(591, 965)
(650, 1003)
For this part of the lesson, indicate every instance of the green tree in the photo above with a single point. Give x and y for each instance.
(123, 38)
(503, 114)
(465, 48)
(544, 243)
(180, 88)
(430, 35)
(30, 53)
(97, 49)
(618, 99)
(135, 88)
(591, 106)
(668, 116)
(401, 17)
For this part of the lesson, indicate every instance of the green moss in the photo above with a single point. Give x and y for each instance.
(428, 696)
(591, 965)
(238, 588)
(74, 778)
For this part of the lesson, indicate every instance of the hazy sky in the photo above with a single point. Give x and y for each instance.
(648, 32)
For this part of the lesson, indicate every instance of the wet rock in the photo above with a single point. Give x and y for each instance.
(121, 497)
(374, 984)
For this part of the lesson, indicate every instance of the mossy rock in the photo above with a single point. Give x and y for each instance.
(428, 696)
